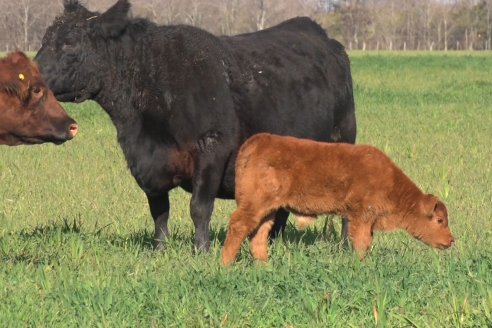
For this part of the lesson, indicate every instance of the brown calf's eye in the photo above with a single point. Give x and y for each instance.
(36, 90)
(440, 221)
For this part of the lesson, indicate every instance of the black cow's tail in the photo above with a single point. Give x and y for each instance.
(345, 127)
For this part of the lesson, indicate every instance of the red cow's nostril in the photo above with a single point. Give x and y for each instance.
(73, 129)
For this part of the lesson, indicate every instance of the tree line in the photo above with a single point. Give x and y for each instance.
(358, 24)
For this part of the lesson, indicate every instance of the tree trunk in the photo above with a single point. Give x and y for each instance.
(445, 34)
(26, 24)
(261, 16)
(489, 28)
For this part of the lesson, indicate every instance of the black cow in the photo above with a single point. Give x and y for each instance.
(183, 100)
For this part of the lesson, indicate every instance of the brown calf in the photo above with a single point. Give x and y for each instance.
(310, 178)
(29, 112)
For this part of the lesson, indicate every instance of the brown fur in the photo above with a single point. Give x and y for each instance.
(311, 178)
(29, 112)
(304, 220)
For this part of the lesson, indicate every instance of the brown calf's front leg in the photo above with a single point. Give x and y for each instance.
(361, 237)
(240, 226)
(259, 240)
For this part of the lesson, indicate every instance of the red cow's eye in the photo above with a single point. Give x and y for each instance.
(440, 221)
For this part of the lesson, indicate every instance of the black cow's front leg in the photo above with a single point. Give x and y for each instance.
(159, 208)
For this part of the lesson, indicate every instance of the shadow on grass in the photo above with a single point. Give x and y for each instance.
(55, 234)
(39, 245)
(291, 234)
(64, 227)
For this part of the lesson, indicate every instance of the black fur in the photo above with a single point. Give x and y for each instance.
(183, 100)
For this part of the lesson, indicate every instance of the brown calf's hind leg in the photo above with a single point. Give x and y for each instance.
(259, 240)
(240, 226)
(361, 238)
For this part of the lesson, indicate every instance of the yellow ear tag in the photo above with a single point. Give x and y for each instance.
(21, 77)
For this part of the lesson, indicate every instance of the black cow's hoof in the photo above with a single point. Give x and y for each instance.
(159, 247)
(202, 247)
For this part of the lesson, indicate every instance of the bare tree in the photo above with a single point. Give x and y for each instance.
(260, 15)
(359, 24)
(159, 11)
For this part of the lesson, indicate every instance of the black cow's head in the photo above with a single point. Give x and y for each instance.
(73, 48)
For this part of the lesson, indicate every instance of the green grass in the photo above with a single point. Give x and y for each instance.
(75, 232)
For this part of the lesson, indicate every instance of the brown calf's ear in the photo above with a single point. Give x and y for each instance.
(441, 209)
(429, 205)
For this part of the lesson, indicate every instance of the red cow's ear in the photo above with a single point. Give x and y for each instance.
(17, 57)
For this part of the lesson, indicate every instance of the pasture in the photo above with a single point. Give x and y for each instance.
(75, 229)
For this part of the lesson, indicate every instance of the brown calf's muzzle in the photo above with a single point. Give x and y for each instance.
(447, 243)
(441, 239)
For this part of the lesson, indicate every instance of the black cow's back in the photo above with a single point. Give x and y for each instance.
(292, 80)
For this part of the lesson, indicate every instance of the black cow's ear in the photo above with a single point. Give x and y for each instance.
(72, 5)
(114, 21)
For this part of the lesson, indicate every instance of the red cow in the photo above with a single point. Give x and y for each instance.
(310, 178)
(29, 112)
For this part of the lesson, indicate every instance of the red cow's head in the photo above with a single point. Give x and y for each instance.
(29, 112)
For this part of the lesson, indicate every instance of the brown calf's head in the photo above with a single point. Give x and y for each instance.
(29, 112)
(432, 223)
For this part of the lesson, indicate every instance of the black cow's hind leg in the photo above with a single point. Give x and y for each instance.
(201, 211)
(348, 132)
(279, 223)
(345, 241)
(206, 183)
(159, 208)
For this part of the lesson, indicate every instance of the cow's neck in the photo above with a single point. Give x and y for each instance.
(405, 199)
(118, 95)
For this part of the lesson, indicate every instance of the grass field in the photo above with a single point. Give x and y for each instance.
(75, 232)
